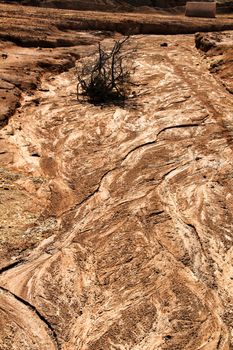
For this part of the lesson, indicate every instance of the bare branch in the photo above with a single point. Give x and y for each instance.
(107, 78)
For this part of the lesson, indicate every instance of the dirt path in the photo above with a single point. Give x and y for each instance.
(140, 254)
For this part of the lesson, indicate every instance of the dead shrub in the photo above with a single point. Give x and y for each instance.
(105, 78)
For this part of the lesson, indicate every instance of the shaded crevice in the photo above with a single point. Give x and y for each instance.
(9, 114)
(39, 315)
(177, 127)
(156, 213)
(136, 148)
(193, 228)
(209, 260)
(11, 266)
(228, 89)
(29, 42)
(59, 68)
(219, 342)
(169, 172)
(134, 27)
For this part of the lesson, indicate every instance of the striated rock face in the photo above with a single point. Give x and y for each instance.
(116, 223)
(218, 50)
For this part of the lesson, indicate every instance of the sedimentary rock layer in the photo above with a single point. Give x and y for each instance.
(116, 223)
(117, 5)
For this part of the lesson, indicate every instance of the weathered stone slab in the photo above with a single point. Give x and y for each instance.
(201, 9)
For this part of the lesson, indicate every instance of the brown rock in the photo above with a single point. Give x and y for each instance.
(119, 236)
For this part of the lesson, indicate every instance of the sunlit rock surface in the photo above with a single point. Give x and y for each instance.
(117, 5)
(116, 223)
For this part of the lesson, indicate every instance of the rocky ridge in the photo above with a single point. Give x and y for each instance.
(101, 5)
(120, 5)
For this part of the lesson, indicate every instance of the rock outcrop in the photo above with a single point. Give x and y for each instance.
(115, 223)
(218, 50)
(119, 5)
(101, 5)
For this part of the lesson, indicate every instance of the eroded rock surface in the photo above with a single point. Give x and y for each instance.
(218, 48)
(116, 223)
